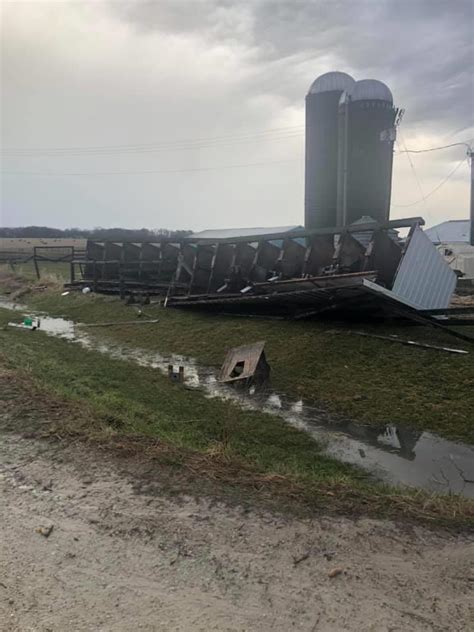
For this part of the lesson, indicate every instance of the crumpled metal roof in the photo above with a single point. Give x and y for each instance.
(454, 230)
(225, 233)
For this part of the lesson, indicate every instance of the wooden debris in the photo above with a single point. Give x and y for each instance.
(410, 343)
(245, 363)
(119, 323)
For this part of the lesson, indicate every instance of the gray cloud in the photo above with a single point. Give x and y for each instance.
(423, 48)
(83, 74)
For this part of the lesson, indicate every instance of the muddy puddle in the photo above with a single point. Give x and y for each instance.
(395, 454)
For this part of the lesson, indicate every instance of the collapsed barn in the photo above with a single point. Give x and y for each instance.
(221, 266)
(360, 269)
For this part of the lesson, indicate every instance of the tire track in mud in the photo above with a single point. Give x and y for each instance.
(119, 558)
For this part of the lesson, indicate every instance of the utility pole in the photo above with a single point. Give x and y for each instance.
(470, 153)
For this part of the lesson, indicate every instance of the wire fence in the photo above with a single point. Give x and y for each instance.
(39, 256)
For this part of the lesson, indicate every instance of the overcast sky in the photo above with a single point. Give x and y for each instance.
(190, 114)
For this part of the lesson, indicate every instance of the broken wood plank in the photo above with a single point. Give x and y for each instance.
(414, 315)
(122, 322)
(410, 343)
(456, 322)
(448, 311)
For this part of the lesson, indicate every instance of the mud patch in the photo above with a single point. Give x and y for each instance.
(118, 559)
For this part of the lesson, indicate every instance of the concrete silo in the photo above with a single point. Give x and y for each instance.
(365, 137)
(321, 159)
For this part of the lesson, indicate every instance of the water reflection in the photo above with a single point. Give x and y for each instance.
(399, 455)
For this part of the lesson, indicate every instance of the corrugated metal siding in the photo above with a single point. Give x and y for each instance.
(423, 278)
(378, 289)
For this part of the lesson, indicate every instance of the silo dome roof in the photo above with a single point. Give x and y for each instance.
(371, 89)
(332, 81)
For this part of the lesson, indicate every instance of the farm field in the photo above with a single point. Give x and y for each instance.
(52, 257)
(26, 245)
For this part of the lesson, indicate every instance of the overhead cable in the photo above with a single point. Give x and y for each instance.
(144, 172)
(161, 145)
(437, 187)
(420, 188)
(423, 151)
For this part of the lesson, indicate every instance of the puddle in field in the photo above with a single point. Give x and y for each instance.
(397, 455)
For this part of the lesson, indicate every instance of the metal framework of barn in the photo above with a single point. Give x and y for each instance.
(222, 267)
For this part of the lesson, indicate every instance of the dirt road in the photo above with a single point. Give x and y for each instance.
(123, 555)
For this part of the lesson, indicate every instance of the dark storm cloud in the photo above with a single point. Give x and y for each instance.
(112, 73)
(422, 48)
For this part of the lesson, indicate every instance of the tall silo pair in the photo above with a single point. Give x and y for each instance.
(349, 150)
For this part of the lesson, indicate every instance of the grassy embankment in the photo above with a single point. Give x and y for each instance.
(369, 380)
(100, 399)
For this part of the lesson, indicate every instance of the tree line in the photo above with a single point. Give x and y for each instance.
(100, 234)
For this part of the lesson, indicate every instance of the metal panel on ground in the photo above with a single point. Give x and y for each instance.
(423, 278)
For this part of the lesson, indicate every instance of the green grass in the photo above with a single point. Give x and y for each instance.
(134, 399)
(48, 269)
(371, 381)
(249, 447)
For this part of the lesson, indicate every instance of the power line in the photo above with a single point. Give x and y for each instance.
(414, 171)
(437, 187)
(282, 133)
(172, 148)
(153, 171)
(163, 145)
(423, 151)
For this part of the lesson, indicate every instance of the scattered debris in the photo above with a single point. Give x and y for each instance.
(297, 273)
(121, 322)
(335, 572)
(245, 363)
(302, 558)
(45, 531)
(412, 343)
(20, 293)
(65, 293)
(176, 376)
(30, 324)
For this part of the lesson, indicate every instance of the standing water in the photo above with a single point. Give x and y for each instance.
(395, 454)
